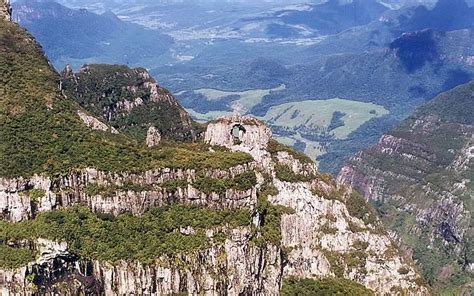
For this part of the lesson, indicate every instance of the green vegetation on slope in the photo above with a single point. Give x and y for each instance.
(15, 257)
(424, 175)
(269, 232)
(323, 287)
(274, 147)
(442, 268)
(454, 106)
(359, 208)
(208, 185)
(41, 134)
(286, 174)
(124, 237)
(241, 182)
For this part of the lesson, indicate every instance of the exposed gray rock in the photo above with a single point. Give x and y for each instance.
(153, 137)
(95, 124)
(421, 173)
(70, 190)
(239, 133)
(235, 268)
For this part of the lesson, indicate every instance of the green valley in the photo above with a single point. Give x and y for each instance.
(229, 101)
(311, 125)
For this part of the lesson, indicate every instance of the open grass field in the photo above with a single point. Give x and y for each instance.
(318, 115)
(335, 118)
(312, 149)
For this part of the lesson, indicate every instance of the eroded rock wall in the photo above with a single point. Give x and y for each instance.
(234, 268)
(16, 204)
(421, 176)
(240, 133)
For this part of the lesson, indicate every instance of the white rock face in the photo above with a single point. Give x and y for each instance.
(240, 133)
(95, 123)
(463, 160)
(16, 205)
(410, 171)
(5, 10)
(153, 137)
(320, 227)
(235, 268)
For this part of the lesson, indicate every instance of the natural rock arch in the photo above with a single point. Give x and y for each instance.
(238, 131)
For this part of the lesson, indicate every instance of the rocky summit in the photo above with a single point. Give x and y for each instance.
(130, 101)
(87, 209)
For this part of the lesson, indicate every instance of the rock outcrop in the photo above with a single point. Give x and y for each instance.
(153, 137)
(94, 123)
(239, 133)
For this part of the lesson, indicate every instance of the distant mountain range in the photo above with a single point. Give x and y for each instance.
(327, 18)
(68, 35)
(447, 15)
(378, 63)
(411, 70)
(395, 4)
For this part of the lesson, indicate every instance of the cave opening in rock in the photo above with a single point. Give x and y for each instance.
(237, 132)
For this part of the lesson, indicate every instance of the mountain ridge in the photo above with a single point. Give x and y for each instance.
(130, 100)
(420, 176)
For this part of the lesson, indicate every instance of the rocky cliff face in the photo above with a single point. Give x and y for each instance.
(120, 193)
(240, 133)
(326, 231)
(233, 268)
(130, 100)
(420, 176)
